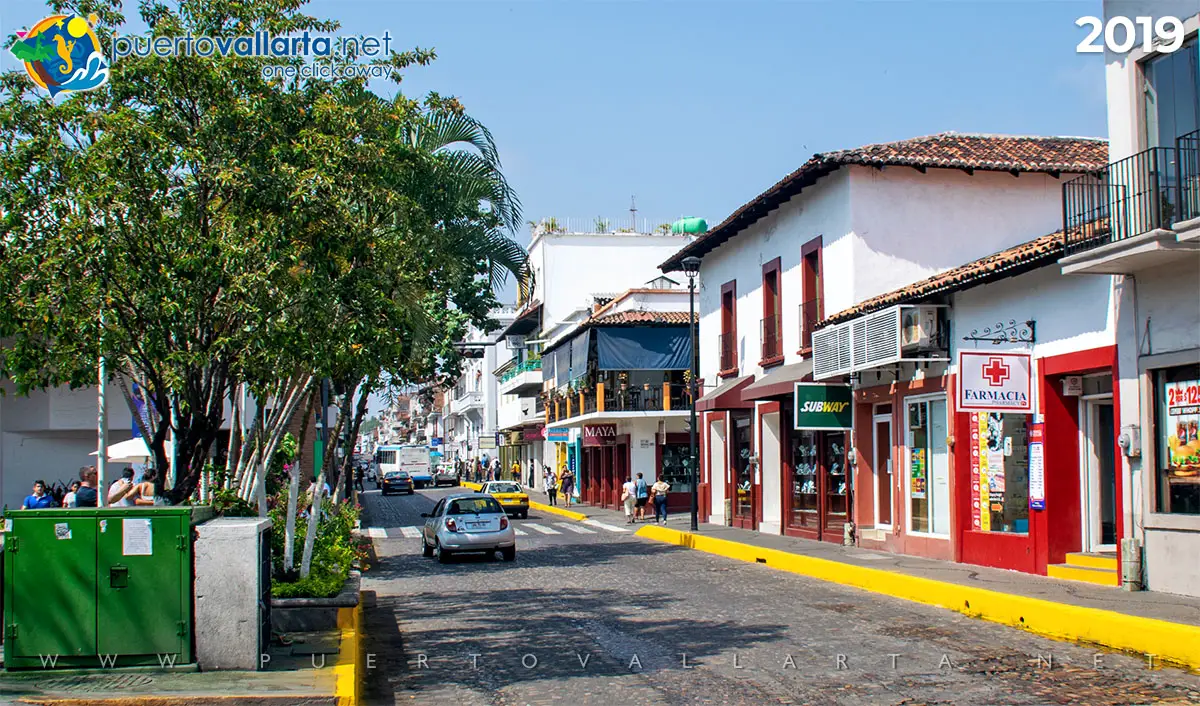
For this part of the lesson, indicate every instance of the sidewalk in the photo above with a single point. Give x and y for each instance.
(1165, 625)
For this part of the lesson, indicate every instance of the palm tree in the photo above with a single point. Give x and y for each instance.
(475, 199)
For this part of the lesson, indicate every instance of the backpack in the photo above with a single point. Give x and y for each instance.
(642, 490)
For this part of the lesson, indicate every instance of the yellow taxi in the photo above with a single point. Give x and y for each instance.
(510, 496)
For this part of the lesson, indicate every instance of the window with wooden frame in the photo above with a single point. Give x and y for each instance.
(771, 327)
(728, 338)
(812, 308)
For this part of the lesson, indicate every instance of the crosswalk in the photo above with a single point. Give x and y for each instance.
(522, 530)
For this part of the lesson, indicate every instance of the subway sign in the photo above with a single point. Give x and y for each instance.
(823, 407)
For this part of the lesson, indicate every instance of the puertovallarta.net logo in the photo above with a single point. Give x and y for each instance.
(63, 54)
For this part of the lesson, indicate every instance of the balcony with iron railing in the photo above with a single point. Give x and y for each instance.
(613, 391)
(727, 353)
(1124, 218)
(771, 340)
(522, 379)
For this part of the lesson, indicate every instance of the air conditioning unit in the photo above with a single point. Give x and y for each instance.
(919, 329)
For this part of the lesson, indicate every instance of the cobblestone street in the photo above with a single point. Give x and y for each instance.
(590, 614)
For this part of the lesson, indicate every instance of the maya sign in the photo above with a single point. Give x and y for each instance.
(598, 434)
(995, 382)
(823, 407)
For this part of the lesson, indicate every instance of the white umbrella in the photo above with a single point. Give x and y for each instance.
(132, 451)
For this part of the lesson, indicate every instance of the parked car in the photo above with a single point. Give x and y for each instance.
(465, 523)
(446, 474)
(397, 481)
(512, 498)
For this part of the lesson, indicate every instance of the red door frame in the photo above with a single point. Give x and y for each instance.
(751, 522)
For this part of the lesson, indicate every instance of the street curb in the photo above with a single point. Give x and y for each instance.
(349, 670)
(1169, 642)
(473, 486)
(571, 514)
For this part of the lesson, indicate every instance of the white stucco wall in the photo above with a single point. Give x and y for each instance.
(769, 454)
(569, 267)
(1168, 307)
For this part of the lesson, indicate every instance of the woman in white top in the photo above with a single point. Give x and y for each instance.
(628, 497)
(123, 490)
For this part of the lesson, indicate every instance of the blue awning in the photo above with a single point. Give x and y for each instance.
(562, 365)
(649, 348)
(579, 354)
(548, 360)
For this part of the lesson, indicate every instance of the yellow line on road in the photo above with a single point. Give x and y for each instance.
(1169, 642)
(349, 671)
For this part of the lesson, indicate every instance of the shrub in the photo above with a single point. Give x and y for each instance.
(335, 549)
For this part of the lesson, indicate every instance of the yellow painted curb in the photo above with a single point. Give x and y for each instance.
(349, 670)
(473, 486)
(577, 516)
(1175, 643)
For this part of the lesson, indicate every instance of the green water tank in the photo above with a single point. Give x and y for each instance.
(690, 226)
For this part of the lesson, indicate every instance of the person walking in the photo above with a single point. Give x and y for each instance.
(658, 495)
(566, 484)
(358, 480)
(516, 471)
(642, 493)
(551, 486)
(86, 496)
(39, 499)
(69, 498)
(627, 499)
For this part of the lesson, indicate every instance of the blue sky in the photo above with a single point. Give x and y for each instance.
(696, 107)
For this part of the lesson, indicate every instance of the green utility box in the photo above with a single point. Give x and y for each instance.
(109, 587)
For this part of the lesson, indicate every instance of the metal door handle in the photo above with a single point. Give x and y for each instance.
(118, 577)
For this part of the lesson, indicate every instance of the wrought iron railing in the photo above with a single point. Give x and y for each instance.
(728, 353)
(1129, 197)
(525, 367)
(1188, 162)
(771, 329)
(810, 317)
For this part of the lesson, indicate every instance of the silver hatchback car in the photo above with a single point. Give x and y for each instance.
(465, 523)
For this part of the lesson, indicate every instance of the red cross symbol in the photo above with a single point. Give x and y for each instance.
(995, 371)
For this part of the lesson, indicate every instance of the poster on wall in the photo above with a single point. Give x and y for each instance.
(976, 506)
(1183, 428)
(1037, 470)
(918, 473)
(995, 382)
(979, 442)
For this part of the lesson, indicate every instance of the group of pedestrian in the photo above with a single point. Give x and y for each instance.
(637, 494)
(82, 492)
(562, 482)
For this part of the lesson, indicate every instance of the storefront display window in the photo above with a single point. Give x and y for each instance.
(999, 472)
(805, 466)
(928, 466)
(676, 467)
(835, 484)
(1177, 433)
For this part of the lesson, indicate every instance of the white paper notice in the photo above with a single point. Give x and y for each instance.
(135, 537)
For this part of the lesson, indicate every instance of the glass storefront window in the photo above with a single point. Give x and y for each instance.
(676, 461)
(744, 474)
(928, 466)
(805, 466)
(835, 482)
(1000, 472)
(1177, 435)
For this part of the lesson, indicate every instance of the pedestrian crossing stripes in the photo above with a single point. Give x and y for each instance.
(574, 528)
(520, 532)
(601, 525)
(538, 528)
(376, 533)
(410, 532)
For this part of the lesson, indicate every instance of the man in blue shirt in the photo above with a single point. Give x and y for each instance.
(40, 498)
(86, 495)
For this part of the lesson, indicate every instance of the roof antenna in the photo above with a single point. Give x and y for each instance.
(633, 213)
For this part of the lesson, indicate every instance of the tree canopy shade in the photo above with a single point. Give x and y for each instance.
(235, 229)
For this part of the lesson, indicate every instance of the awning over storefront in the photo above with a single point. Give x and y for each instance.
(780, 381)
(728, 395)
(549, 361)
(644, 348)
(579, 353)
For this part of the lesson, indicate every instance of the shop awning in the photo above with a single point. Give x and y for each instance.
(644, 348)
(780, 381)
(728, 395)
(579, 353)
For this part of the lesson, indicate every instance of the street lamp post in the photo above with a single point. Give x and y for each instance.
(691, 268)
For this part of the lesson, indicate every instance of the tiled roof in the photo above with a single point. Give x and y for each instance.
(1006, 263)
(627, 318)
(947, 150)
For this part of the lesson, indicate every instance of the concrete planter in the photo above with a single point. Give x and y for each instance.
(314, 614)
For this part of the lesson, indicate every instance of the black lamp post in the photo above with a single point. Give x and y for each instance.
(691, 268)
